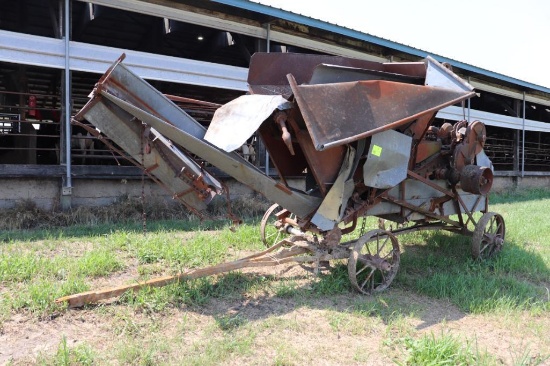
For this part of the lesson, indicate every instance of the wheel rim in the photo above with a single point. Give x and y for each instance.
(270, 233)
(374, 261)
(488, 237)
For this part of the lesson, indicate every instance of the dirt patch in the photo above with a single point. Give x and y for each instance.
(341, 329)
(24, 337)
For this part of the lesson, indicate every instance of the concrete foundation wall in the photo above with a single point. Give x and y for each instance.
(46, 193)
(503, 184)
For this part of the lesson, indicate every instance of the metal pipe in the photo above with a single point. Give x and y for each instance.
(68, 182)
(523, 140)
(294, 231)
(268, 37)
(268, 49)
(60, 23)
(469, 106)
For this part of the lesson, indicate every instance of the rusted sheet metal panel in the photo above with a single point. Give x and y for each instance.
(414, 69)
(427, 149)
(420, 195)
(287, 165)
(117, 125)
(119, 81)
(326, 74)
(267, 71)
(332, 208)
(236, 121)
(336, 114)
(324, 165)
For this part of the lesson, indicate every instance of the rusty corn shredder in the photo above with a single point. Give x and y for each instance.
(363, 135)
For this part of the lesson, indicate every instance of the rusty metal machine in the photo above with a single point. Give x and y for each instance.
(361, 132)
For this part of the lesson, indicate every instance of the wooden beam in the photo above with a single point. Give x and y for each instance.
(261, 259)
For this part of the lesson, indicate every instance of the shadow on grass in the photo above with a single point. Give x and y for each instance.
(434, 272)
(437, 281)
(228, 298)
(443, 269)
(515, 196)
(79, 231)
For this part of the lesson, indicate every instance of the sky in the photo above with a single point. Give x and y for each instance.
(509, 37)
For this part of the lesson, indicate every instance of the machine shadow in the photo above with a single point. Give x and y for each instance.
(133, 227)
(520, 196)
(291, 294)
(444, 260)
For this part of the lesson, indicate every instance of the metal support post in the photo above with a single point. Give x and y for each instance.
(268, 48)
(66, 189)
(523, 140)
(516, 147)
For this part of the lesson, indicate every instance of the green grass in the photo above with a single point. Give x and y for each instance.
(193, 292)
(38, 266)
(444, 350)
(219, 349)
(65, 355)
(438, 264)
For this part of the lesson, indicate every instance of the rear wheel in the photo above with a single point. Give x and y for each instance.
(488, 237)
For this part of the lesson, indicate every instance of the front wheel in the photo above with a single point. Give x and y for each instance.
(272, 230)
(374, 261)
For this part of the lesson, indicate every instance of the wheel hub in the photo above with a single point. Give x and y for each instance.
(375, 261)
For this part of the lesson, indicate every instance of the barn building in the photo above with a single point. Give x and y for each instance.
(52, 52)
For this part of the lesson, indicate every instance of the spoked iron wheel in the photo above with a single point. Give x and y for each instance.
(272, 231)
(488, 237)
(374, 261)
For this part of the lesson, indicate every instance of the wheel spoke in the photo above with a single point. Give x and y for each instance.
(499, 228)
(367, 279)
(270, 226)
(362, 269)
(491, 223)
(383, 245)
(385, 256)
(482, 249)
(273, 237)
(390, 254)
(368, 248)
